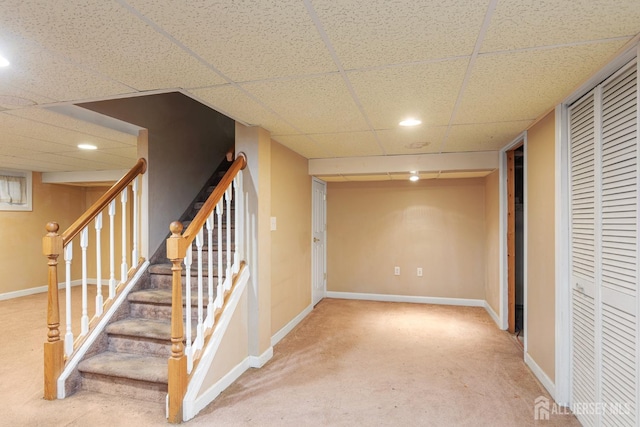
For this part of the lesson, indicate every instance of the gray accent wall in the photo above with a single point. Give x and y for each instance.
(187, 141)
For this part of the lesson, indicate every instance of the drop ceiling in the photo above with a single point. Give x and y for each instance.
(328, 79)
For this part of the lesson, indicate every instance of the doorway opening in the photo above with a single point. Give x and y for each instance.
(515, 240)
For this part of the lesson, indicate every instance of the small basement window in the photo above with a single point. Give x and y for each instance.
(15, 190)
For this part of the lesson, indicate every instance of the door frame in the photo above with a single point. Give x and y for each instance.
(317, 298)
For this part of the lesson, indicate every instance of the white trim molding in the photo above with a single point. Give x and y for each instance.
(540, 375)
(45, 288)
(406, 298)
(259, 361)
(492, 313)
(275, 339)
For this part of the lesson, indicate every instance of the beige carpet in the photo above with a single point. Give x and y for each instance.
(349, 363)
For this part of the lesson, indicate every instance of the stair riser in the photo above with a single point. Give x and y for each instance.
(164, 281)
(141, 390)
(147, 347)
(157, 311)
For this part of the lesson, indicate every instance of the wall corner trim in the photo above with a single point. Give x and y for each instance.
(540, 375)
(275, 339)
(260, 361)
(407, 298)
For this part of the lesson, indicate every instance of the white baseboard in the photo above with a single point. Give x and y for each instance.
(259, 361)
(275, 339)
(493, 314)
(41, 289)
(406, 298)
(540, 375)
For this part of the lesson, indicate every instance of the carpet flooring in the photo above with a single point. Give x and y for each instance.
(349, 363)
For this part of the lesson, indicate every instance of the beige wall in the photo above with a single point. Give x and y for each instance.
(291, 242)
(492, 240)
(437, 225)
(540, 209)
(22, 264)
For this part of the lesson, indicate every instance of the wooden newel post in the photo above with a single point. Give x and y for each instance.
(54, 347)
(178, 361)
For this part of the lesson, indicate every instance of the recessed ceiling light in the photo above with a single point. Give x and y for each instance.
(414, 178)
(410, 122)
(87, 147)
(4, 62)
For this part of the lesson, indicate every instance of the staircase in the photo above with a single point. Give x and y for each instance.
(130, 358)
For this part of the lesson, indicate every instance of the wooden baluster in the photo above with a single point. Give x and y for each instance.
(99, 299)
(177, 362)
(54, 347)
(220, 289)
(200, 328)
(68, 337)
(210, 307)
(123, 266)
(187, 307)
(84, 242)
(228, 274)
(112, 245)
(134, 252)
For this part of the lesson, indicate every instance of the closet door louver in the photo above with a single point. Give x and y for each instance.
(603, 147)
(619, 232)
(581, 137)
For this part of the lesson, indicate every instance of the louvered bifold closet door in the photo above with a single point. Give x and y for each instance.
(619, 265)
(582, 151)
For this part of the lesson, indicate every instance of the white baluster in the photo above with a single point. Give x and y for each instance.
(240, 211)
(134, 252)
(228, 277)
(220, 289)
(123, 266)
(68, 337)
(199, 329)
(99, 299)
(84, 242)
(236, 257)
(187, 311)
(210, 307)
(112, 256)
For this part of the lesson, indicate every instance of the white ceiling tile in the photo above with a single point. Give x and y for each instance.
(235, 103)
(71, 163)
(379, 32)
(406, 176)
(463, 174)
(315, 104)
(376, 177)
(303, 146)
(427, 92)
(348, 144)
(412, 140)
(522, 24)
(523, 85)
(13, 97)
(7, 162)
(130, 153)
(245, 40)
(62, 121)
(483, 136)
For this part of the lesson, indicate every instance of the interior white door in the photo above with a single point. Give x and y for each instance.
(319, 240)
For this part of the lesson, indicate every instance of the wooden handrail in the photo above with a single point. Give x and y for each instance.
(201, 217)
(139, 168)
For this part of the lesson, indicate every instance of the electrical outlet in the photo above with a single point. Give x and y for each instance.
(419, 272)
(396, 271)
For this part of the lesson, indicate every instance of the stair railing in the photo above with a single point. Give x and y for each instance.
(57, 350)
(213, 221)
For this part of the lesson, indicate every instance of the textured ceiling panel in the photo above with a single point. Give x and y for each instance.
(71, 163)
(303, 146)
(235, 103)
(348, 144)
(66, 122)
(523, 85)
(114, 161)
(379, 32)
(378, 177)
(9, 162)
(26, 142)
(314, 104)
(250, 40)
(12, 97)
(483, 137)
(406, 176)
(522, 24)
(412, 140)
(466, 174)
(130, 153)
(427, 92)
(108, 38)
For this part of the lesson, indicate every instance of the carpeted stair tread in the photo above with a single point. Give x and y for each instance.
(126, 365)
(166, 269)
(141, 328)
(158, 296)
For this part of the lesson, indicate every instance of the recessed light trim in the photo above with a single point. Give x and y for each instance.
(4, 62)
(87, 147)
(410, 122)
(414, 178)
